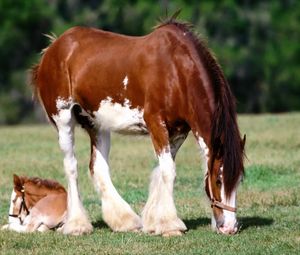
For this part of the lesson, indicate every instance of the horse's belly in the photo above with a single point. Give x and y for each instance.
(121, 118)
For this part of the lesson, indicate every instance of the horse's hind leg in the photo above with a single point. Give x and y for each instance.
(159, 214)
(77, 221)
(116, 212)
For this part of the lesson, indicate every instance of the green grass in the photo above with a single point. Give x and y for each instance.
(268, 198)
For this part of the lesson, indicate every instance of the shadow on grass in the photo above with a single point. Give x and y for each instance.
(248, 222)
(99, 224)
(195, 223)
(245, 222)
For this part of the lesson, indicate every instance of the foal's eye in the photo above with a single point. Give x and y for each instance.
(218, 182)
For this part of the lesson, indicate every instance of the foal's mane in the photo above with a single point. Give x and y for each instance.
(44, 183)
(225, 136)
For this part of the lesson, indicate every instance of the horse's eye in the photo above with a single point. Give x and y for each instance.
(218, 182)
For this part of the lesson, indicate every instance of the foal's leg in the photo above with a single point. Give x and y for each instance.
(159, 214)
(116, 212)
(14, 227)
(77, 220)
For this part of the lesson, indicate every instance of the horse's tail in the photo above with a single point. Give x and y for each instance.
(35, 69)
(33, 80)
(225, 137)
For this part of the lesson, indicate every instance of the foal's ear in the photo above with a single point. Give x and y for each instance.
(17, 183)
(243, 142)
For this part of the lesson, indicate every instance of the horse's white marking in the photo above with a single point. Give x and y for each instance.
(167, 166)
(204, 153)
(116, 212)
(159, 214)
(14, 204)
(15, 226)
(77, 217)
(125, 82)
(230, 221)
(120, 117)
(14, 222)
(62, 103)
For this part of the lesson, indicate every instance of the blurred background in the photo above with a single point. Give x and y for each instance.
(256, 42)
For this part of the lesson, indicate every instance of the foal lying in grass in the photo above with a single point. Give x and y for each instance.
(36, 204)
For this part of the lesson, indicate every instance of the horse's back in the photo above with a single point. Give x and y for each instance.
(92, 68)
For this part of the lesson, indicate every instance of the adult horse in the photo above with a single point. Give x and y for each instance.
(165, 84)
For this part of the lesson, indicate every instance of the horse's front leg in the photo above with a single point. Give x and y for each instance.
(77, 221)
(159, 215)
(115, 211)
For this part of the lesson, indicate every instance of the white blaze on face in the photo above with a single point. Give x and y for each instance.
(125, 82)
(230, 221)
(120, 117)
(14, 203)
(229, 217)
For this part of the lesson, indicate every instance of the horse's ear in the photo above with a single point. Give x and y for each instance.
(17, 183)
(243, 142)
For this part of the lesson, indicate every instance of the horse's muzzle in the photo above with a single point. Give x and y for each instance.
(228, 229)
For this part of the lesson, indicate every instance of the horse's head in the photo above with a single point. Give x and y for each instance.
(18, 206)
(221, 187)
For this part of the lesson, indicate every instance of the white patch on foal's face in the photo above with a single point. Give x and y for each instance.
(15, 203)
(125, 82)
(120, 117)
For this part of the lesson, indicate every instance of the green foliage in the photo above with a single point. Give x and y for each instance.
(256, 42)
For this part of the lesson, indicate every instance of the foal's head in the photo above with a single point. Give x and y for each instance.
(18, 207)
(26, 193)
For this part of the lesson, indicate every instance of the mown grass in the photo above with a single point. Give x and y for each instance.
(268, 198)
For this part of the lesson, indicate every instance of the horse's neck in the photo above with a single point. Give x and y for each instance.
(35, 194)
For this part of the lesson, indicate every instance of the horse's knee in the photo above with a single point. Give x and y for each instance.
(167, 167)
(70, 165)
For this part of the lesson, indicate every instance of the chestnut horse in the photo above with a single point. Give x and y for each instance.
(166, 83)
(36, 205)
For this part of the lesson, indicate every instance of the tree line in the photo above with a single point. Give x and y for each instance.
(256, 43)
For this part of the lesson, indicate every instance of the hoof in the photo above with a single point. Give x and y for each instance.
(172, 233)
(129, 222)
(119, 216)
(77, 227)
(171, 227)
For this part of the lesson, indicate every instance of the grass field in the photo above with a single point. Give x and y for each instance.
(269, 197)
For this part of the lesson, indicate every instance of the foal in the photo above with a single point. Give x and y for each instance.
(36, 204)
